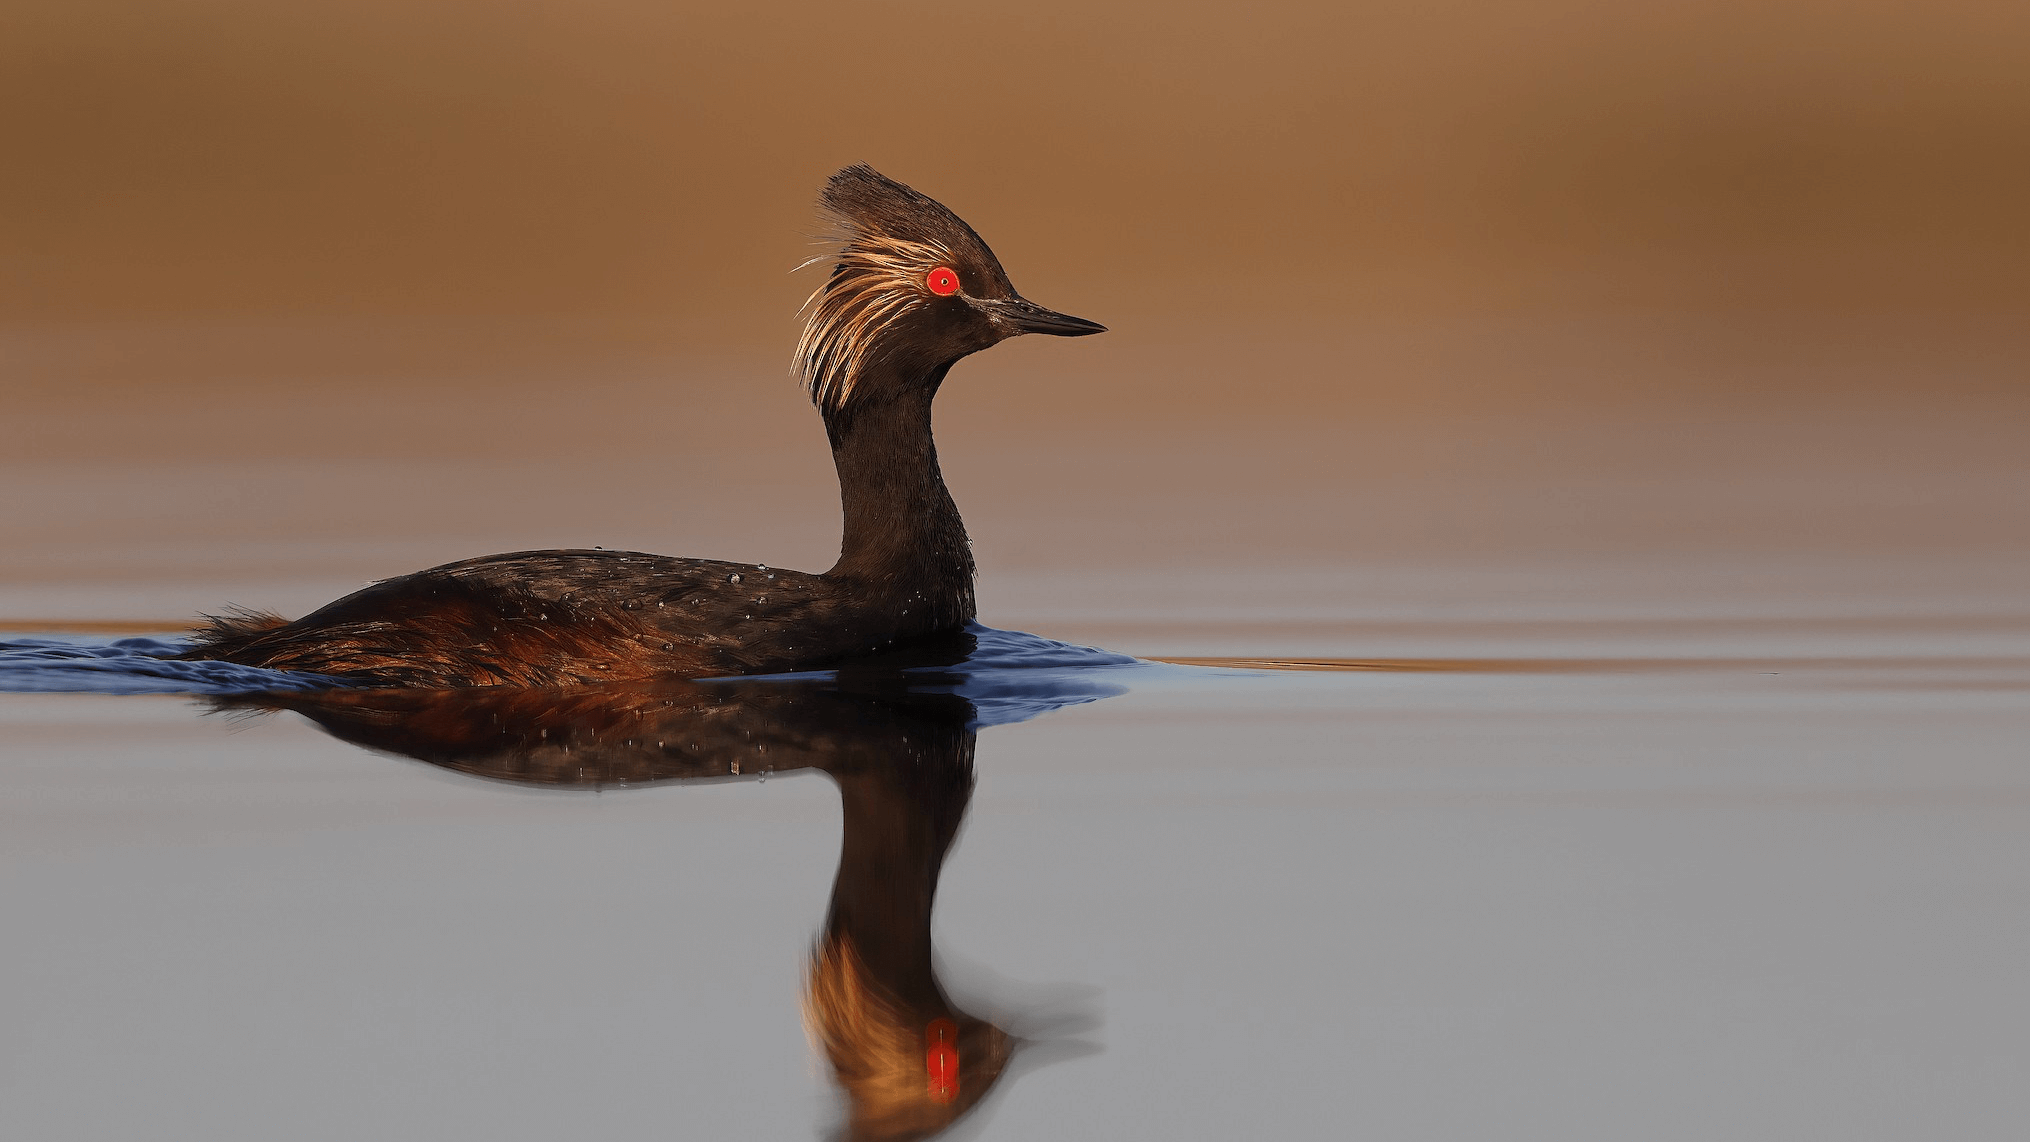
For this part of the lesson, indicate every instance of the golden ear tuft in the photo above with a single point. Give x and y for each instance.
(876, 280)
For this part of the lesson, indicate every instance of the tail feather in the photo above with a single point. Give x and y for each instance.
(220, 635)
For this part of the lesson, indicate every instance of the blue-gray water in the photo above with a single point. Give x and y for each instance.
(1558, 782)
(1681, 879)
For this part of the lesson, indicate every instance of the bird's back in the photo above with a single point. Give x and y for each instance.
(549, 618)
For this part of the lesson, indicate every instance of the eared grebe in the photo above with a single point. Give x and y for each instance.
(912, 290)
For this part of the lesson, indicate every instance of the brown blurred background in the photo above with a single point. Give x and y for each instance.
(296, 295)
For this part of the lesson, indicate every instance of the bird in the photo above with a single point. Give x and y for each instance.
(912, 290)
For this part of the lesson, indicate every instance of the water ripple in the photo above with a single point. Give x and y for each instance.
(1009, 676)
(133, 666)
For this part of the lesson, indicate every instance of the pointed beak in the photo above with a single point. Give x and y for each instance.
(1020, 316)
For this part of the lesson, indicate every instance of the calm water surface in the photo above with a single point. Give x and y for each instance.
(1533, 875)
(1665, 782)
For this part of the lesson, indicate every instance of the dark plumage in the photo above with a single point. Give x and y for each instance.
(912, 289)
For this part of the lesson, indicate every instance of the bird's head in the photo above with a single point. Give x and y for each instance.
(912, 289)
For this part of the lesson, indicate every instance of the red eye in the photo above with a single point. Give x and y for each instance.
(942, 281)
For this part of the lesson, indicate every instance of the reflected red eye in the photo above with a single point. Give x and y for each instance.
(942, 281)
(941, 1059)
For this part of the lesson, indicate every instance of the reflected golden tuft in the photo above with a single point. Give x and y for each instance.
(876, 1049)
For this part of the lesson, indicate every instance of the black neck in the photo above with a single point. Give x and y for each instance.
(903, 542)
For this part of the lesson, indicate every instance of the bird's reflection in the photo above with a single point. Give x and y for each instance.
(909, 1062)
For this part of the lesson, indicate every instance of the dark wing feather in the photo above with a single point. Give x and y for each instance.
(539, 618)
